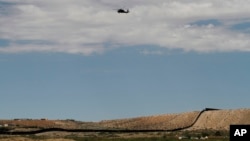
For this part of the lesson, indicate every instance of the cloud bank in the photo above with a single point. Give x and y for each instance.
(93, 26)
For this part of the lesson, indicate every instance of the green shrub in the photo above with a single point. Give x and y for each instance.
(4, 129)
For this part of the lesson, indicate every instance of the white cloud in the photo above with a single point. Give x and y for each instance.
(75, 26)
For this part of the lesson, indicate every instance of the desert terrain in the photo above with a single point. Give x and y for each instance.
(205, 120)
(211, 119)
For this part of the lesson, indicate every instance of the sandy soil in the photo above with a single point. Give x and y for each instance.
(217, 120)
(222, 119)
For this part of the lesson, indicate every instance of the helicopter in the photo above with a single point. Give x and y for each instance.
(122, 11)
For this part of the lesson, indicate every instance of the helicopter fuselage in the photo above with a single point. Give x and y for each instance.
(122, 11)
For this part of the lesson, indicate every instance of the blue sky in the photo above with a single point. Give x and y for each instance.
(81, 60)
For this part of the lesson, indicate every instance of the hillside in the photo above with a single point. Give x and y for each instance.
(214, 119)
(156, 122)
(196, 120)
(221, 119)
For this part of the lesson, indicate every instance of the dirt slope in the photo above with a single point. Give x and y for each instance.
(221, 119)
(215, 119)
(156, 122)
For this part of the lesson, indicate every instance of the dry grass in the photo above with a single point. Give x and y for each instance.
(29, 139)
(30, 123)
